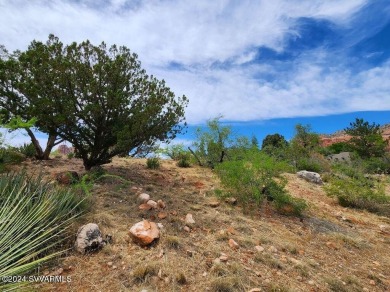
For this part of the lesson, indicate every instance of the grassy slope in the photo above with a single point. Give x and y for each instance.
(331, 249)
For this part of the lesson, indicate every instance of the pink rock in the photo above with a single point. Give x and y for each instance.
(161, 204)
(152, 204)
(259, 248)
(145, 207)
(144, 232)
(234, 245)
(189, 220)
(143, 198)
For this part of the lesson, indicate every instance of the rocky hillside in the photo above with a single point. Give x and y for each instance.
(340, 136)
(330, 249)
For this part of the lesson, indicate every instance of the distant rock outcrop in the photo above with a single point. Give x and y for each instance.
(341, 157)
(341, 136)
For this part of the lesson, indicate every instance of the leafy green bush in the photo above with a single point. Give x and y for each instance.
(70, 155)
(27, 149)
(354, 189)
(34, 219)
(178, 153)
(313, 162)
(153, 163)
(336, 148)
(9, 156)
(379, 165)
(174, 151)
(255, 177)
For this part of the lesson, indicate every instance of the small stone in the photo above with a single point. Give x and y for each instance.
(257, 273)
(217, 261)
(114, 267)
(162, 215)
(223, 258)
(143, 198)
(231, 230)
(376, 263)
(311, 282)
(190, 253)
(161, 204)
(231, 201)
(233, 245)
(134, 188)
(174, 213)
(160, 225)
(58, 272)
(365, 289)
(110, 264)
(255, 290)
(187, 229)
(213, 204)
(272, 249)
(259, 248)
(331, 244)
(152, 203)
(67, 177)
(189, 221)
(295, 261)
(372, 283)
(145, 207)
(144, 232)
(204, 274)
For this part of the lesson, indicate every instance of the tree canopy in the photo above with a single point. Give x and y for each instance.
(96, 97)
(366, 139)
(274, 141)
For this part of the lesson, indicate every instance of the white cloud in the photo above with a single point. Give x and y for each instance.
(19, 137)
(199, 34)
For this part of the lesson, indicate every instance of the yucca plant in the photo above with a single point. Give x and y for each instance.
(34, 217)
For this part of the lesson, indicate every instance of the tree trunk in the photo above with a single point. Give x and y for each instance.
(40, 154)
(35, 142)
(49, 146)
(196, 157)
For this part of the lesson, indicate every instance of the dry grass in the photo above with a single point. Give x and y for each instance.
(330, 252)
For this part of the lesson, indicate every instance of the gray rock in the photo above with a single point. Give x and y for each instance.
(89, 238)
(310, 176)
(341, 157)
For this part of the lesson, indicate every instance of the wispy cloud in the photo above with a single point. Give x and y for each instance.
(217, 48)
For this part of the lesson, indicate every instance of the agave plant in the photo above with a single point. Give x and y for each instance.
(34, 217)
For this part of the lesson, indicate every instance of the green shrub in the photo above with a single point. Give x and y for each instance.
(27, 149)
(34, 219)
(255, 177)
(70, 155)
(184, 159)
(353, 189)
(153, 163)
(9, 156)
(313, 162)
(174, 151)
(378, 165)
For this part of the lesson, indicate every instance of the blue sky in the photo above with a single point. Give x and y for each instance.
(263, 65)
